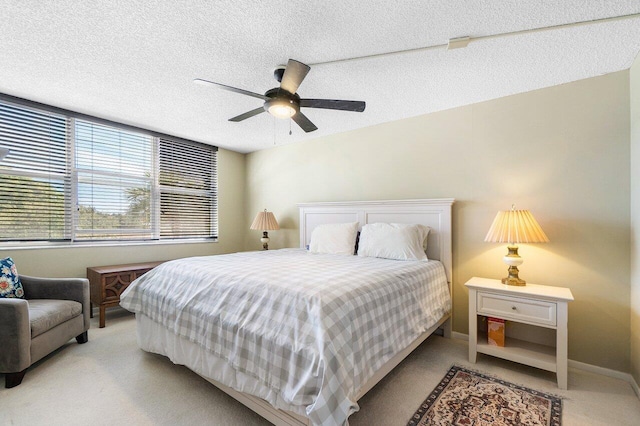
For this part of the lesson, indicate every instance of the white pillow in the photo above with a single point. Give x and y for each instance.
(334, 238)
(394, 241)
(424, 230)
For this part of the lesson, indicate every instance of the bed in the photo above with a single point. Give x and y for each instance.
(328, 337)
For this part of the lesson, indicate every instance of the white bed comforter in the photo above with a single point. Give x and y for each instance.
(312, 327)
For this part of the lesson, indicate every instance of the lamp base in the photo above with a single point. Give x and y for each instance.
(513, 259)
(265, 240)
(513, 281)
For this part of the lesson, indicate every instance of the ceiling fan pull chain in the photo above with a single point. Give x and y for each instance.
(289, 127)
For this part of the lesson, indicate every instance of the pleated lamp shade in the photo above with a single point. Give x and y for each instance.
(265, 221)
(515, 226)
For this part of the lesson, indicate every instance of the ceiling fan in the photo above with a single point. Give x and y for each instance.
(284, 102)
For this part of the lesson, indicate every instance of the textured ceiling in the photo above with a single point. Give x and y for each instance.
(134, 61)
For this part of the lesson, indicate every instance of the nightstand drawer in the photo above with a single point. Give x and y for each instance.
(520, 309)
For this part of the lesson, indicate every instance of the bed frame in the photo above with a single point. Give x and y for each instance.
(435, 213)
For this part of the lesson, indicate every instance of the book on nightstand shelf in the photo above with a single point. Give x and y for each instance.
(495, 331)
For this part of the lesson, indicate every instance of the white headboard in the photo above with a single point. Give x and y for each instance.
(435, 213)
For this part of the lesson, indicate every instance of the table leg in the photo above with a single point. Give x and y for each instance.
(562, 350)
(102, 312)
(473, 327)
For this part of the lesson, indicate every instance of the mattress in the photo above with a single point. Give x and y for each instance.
(311, 329)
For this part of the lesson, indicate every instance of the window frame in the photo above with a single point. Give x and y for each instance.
(71, 205)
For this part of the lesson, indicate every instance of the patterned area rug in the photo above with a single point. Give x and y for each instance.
(468, 398)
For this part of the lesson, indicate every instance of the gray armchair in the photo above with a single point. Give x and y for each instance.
(53, 311)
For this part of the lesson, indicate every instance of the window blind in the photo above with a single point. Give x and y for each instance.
(78, 178)
(114, 179)
(187, 184)
(35, 183)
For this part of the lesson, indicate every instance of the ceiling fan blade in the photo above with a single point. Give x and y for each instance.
(356, 106)
(247, 114)
(293, 75)
(230, 89)
(304, 123)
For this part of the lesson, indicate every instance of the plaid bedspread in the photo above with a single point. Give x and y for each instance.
(313, 327)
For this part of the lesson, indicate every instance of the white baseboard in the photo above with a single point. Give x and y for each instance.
(601, 370)
(582, 366)
(460, 336)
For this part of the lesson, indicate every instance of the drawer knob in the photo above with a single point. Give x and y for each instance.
(514, 308)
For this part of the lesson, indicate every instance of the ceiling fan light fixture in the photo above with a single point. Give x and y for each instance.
(282, 111)
(281, 108)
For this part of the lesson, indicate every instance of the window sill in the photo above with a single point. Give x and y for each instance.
(40, 246)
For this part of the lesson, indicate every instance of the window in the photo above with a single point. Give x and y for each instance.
(113, 177)
(74, 178)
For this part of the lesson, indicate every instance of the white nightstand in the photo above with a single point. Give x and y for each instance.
(535, 305)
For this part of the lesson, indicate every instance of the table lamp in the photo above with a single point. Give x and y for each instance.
(514, 227)
(265, 221)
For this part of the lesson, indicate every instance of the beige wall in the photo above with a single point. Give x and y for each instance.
(635, 219)
(561, 152)
(73, 261)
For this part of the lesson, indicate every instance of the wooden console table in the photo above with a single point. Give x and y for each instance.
(108, 282)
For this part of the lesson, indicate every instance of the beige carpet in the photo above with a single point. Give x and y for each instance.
(109, 381)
